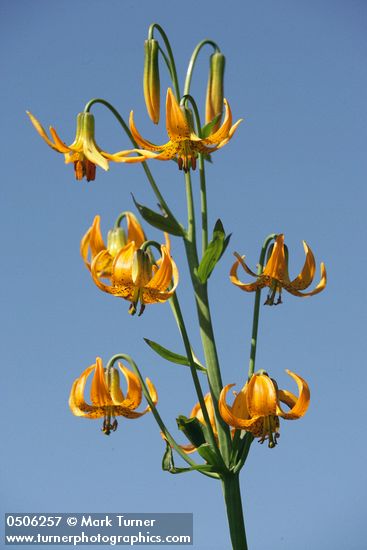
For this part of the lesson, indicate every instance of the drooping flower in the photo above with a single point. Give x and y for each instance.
(183, 143)
(257, 407)
(84, 153)
(107, 398)
(275, 274)
(92, 243)
(136, 278)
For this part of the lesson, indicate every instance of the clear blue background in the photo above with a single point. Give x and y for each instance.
(296, 72)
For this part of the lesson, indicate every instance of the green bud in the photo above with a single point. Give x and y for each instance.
(116, 239)
(215, 89)
(151, 79)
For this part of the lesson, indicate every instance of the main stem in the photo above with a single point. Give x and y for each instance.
(232, 498)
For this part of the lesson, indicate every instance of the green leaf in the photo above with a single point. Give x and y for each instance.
(173, 357)
(192, 428)
(213, 252)
(208, 454)
(168, 464)
(165, 223)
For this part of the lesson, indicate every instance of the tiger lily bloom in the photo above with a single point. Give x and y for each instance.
(135, 278)
(106, 396)
(183, 143)
(275, 274)
(92, 243)
(84, 153)
(257, 407)
(198, 413)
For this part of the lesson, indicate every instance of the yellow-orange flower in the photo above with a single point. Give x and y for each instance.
(92, 243)
(106, 395)
(257, 407)
(84, 153)
(183, 143)
(134, 277)
(276, 277)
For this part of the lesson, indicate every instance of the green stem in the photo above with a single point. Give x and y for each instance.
(191, 224)
(255, 321)
(204, 205)
(205, 323)
(192, 62)
(146, 169)
(203, 199)
(182, 328)
(232, 498)
(153, 408)
(173, 71)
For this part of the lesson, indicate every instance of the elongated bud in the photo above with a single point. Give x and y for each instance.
(151, 79)
(112, 378)
(215, 89)
(141, 269)
(116, 239)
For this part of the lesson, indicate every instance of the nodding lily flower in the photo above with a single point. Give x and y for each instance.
(136, 278)
(257, 407)
(84, 153)
(92, 243)
(183, 143)
(198, 413)
(276, 277)
(106, 396)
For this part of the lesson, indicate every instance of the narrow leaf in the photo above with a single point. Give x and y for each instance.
(213, 253)
(172, 356)
(165, 223)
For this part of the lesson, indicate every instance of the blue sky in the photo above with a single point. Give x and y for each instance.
(296, 73)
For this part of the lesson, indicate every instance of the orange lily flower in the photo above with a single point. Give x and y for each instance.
(84, 153)
(276, 277)
(257, 407)
(106, 396)
(92, 243)
(183, 143)
(135, 278)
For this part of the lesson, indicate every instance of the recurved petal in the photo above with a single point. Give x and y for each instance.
(223, 131)
(96, 240)
(134, 230)
(316, 290)
(40, 129)
(102, 260)
(92, 152)
(61, 146)
(302, 403)
(139, 138)
(248, 287)
(176, 123)
(307, 274)
(239, 407)
(261, 396)
(228, 416)
(77, 402)
(163, 276)
(99, 394)
(84, 247)
(134, 391)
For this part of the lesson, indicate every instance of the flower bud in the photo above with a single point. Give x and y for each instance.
(141, 268)
(116, 239)
(151, 79)
(215, 89)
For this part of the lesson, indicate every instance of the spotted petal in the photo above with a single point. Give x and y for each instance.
(303, 401)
